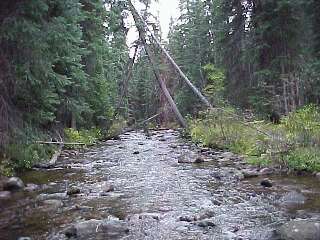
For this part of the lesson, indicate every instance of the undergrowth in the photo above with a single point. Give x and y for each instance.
(24, 151)
(294, 143)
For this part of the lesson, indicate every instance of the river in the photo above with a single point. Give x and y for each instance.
(139, 180)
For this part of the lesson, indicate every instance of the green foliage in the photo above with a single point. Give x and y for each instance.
(116, 128)
(87, 137)
(303, 126)
(63, 59)
(216, 82)
(294, 143)
(304, 158)
(25, 156)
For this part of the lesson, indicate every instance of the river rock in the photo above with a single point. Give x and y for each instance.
(248, 173)
(293, 198)
(208, 213)
(149, 215)
(31, 187)
(206, 223)
(266, 183)
(184, 159)
(199, 159)
(108, 187)
(52, 204)
(4, 195)
(13, 184)
(318, 175)
(187, 218)
(266, 171)
(24, 238)
(136, 152)
(73, 191)
(57, 196)
(299, 230)
(97, 229)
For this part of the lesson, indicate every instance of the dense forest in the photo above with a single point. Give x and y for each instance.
(66, 70)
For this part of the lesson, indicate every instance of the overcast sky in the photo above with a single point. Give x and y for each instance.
(165, 9)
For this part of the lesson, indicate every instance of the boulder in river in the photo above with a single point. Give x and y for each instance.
(97, 229)
(318, 175)
(13, 184)
(299, 230)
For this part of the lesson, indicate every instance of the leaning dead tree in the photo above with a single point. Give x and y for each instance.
(144, 27)
(142, 34)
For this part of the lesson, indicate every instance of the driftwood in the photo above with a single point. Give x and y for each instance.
(59, 143)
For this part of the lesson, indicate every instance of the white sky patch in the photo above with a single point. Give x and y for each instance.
(164, 9)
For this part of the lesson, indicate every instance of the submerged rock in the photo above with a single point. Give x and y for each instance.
(199, 159)
(299, 230)
(293, 198)
(13, 184)
(97, 229)
(266, 183)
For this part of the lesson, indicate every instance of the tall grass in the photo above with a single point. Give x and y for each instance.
(294, 143)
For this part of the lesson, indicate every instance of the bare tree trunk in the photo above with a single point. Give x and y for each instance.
(139, 19)
(142, 33)
(73, 121)
(123, 85)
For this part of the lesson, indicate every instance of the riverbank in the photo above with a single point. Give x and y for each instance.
(292, 144)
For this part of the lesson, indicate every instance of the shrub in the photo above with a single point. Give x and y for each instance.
(87, 137)
(294, 143)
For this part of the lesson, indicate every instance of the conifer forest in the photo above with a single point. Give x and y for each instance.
(114, 126)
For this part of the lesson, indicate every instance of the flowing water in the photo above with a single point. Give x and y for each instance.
(153, 193)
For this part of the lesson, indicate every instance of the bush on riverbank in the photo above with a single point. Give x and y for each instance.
(293, 143)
